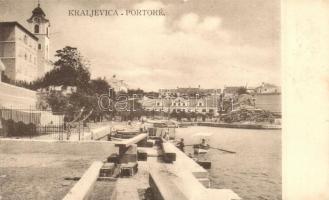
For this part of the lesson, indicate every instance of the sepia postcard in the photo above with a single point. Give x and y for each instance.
(162, 100)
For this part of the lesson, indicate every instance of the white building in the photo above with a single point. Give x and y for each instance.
(18, 51)
(25, 53)
(118, 85)
(40, 27)
(267, 88)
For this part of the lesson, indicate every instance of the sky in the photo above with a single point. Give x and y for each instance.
(211, 43)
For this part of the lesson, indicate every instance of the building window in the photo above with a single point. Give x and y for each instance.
(36, 28)
(25, 39)
(200, 104)
(39, 46)
(47, 31)
(25, 57)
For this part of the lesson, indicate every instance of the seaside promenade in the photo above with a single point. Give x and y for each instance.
(61, 163)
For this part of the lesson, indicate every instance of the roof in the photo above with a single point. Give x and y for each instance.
(190, 90)
(208, 101)
(2, 66)
(21, 27)
(38, 12)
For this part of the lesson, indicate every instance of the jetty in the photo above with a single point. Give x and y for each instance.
(153, 172)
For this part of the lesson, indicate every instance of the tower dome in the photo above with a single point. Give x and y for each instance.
(38, 14)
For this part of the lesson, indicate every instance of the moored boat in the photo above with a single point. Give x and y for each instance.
(200, 149)
(120, 135)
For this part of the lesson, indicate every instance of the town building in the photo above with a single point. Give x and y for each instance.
(18, 51)
(251, 90)
(204, 105)
(118, 85)
(40, 27)
(267, 88)
(62, 89)
(25, 53)
(190, 92)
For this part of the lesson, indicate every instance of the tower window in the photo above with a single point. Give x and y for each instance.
(39, 46)
(36, 28)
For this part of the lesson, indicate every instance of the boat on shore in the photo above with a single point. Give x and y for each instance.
(120, 135)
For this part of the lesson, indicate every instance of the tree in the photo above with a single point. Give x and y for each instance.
(98, 86)
(70, 70)
(58, 102)
(135, 92)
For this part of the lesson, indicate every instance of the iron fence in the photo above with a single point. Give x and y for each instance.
(39, 124)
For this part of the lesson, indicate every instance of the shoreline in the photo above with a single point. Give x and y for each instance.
(234, 125)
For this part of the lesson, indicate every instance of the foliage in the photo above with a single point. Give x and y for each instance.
(135, 92)
(70, 70)
(98, 86)
(24, 84)
(253, 115)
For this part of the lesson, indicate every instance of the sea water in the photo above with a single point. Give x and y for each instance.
(254, 172)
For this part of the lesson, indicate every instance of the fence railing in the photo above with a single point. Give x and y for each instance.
(27, 122)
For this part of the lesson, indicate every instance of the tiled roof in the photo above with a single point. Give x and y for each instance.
(38, 12)
(192, 102)
(21, 27)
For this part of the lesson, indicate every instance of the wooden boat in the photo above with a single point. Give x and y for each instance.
(120, 135)
(200, 149)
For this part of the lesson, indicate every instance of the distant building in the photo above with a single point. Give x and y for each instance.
(64, 90)
(267, 88)
(190, 92)
(118, 85)
(251, 90)
(203, 105)
(25, 53)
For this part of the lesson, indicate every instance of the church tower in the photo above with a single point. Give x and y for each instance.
(40, 27)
